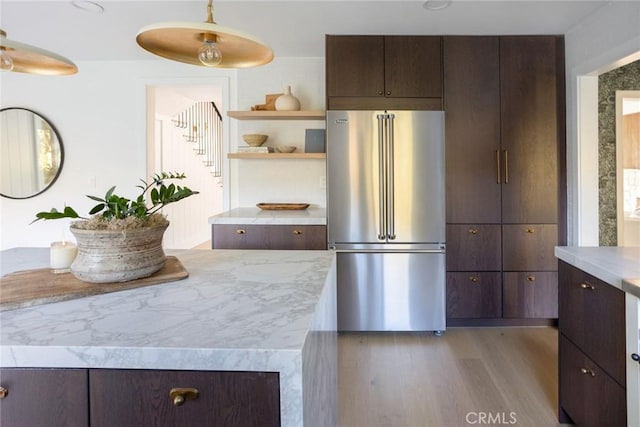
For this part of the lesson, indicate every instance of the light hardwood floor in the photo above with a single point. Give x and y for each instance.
(467, 377)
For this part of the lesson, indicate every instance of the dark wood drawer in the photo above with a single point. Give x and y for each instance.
(44, 397)
(473, 247)
(592, 316)
(472, 295)
(142, 398)
(529, 247)
(282, 237)
(587, 394)
(532, 294)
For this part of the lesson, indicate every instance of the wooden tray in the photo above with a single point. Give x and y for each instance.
(283, 206)
(35, 287)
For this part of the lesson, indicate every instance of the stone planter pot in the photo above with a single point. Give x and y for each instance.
(118, 255)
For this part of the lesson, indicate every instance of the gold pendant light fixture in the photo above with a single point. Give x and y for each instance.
(23, 58)
(204, 43)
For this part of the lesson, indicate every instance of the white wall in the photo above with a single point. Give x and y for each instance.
(605, 40)
(100, 113)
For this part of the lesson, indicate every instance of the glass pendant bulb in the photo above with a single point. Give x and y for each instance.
(6, 63)
(209, 54)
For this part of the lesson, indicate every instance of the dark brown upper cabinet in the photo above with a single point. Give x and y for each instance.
(373, 72)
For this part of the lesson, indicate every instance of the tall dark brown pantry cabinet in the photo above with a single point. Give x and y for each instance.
(504, 104)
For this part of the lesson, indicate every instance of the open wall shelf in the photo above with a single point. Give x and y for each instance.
(277, 115)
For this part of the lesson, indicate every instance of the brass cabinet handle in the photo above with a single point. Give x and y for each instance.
(182, 394)
(388, 92)
(498, 166)
(380, 92)
(240, 231)
(3, 392)
(473, 230)
(530, 230)
(587, 371)
(297, 232)
(588, 286)
(506, 166)
(531, 278)
(474, 279)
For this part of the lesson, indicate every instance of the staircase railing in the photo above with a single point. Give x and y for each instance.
(202, 122)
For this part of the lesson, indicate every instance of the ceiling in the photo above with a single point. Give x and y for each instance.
(293, 28)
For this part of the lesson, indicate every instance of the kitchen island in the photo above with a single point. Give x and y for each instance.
(599, 325)
(238, 311)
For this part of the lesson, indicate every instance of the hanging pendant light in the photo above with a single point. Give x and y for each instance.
(23, 58)
(204, 43)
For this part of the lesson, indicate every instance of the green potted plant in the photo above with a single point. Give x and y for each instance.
(121, 239)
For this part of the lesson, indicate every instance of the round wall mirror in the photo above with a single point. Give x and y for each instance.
(31, 153)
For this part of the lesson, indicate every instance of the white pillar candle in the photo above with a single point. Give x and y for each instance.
(62, 255)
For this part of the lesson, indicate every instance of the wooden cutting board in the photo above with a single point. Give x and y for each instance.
(35, 287)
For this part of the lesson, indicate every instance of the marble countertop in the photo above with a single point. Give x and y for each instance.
(309, 216)
(238, 310)
(618, 266)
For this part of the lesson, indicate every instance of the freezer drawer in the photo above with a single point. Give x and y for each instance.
(391, 291)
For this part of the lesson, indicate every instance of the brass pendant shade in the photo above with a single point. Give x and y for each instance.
(180, 41)
(33, 60)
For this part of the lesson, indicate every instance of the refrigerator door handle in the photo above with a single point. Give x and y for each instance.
(382, 190)
(391, 232)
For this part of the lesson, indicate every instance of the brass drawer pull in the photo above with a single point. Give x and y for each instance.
(297, 232)
(588, 286)
(531, 279)
(474, 279)
(240, 231)
(180, 395)
(3, 392)
(531, 230)
(473, 230)
(587, 371)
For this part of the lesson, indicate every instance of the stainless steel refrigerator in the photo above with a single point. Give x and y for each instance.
(386, 218)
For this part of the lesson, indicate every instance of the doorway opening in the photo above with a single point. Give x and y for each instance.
(628, 166)
(174, 146)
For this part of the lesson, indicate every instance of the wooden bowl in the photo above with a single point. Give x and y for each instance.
(285, 148)
(254, 139)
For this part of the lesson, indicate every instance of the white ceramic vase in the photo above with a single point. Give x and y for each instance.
(106, 256)
(287, 102)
